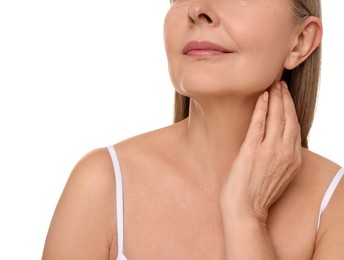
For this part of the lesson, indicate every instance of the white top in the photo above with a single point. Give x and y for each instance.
(329, 192)
(119, 199)
(119, 202)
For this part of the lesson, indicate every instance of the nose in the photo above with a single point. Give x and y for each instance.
(200, 12)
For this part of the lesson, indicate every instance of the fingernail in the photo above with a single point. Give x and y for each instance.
(266, 96)
(278, 85)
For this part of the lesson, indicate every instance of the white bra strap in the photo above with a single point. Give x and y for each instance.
(119, 197)
(329, 192)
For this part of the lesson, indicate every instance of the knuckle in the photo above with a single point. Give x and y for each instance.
(287, 156)
(256, 134)
(297, 160)
(260, 128)
(294, 161)
(267, 150)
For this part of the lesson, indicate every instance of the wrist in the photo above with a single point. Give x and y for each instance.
(236, 207)
(243, 215)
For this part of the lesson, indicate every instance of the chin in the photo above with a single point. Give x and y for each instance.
(195, 85)
(192, 88)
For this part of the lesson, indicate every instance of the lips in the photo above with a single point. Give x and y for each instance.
(203, 48)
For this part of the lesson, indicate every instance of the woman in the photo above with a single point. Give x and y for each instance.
(232, 178)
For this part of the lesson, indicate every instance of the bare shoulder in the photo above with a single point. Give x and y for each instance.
(151, 145)
(158, 136)
(84, 224)
(330, 237)
(317, 171)
(318, 163)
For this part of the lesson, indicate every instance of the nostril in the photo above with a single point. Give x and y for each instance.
(205, 17)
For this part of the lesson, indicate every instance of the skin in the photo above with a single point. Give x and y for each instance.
(229, 182)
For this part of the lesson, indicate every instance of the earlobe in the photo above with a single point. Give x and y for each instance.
(309, 38)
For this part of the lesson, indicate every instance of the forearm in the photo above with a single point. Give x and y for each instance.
(246, 238)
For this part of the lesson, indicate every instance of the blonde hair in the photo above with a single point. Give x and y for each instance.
(302, 81)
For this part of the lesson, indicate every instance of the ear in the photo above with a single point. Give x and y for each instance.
(308, 39)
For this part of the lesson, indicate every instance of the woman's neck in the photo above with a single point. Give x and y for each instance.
(215, 130)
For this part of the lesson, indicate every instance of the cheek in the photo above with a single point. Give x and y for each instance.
(172, 36)
(264, 51)
(267, 34)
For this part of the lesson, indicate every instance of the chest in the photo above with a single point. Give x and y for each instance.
(170, 223)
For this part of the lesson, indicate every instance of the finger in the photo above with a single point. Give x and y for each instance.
(298, 151)
(256, 130)
(292, 128)
(276, 118)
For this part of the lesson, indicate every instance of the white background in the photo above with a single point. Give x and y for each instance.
(76, 75)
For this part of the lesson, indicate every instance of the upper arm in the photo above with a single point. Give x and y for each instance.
(330, 239)
(84, 224)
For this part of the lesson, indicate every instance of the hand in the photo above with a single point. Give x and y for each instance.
(268, 159)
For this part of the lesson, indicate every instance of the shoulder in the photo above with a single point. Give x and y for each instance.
(318, 169)
(330, 237)
(317, 173)
(154, 144)
(92, 177)
(317, 162)
(94, 167)
(83, 225)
